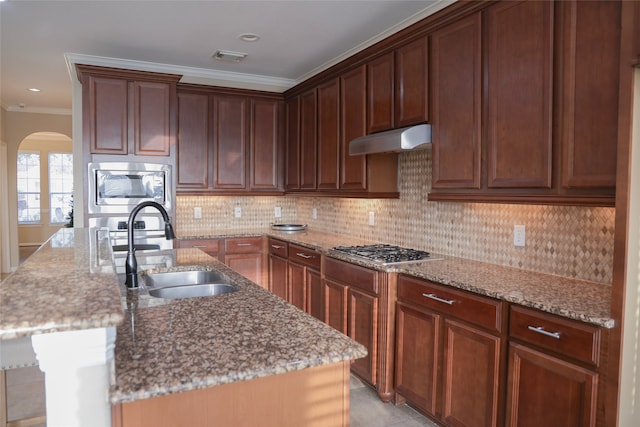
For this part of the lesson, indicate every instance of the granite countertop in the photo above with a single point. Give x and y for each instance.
(61, 287)
(170, 346)
(575, 299)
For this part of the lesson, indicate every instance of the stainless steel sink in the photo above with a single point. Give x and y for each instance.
(192, 291)
(187, 284)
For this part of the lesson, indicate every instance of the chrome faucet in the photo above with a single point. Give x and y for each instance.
(131, 264)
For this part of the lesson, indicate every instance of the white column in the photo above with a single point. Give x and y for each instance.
(78, 366)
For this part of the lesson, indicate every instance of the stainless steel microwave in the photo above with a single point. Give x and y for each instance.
(116, 187)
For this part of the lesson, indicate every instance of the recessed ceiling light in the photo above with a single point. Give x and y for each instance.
(33, 89)
(249, 37)
(227, 55)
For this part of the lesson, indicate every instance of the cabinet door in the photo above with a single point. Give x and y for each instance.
(229, 129)
(590, 80)
(249, 265)
(328, 135)
(353, 112)
(106, 114)
(278, 282)
(193, 141)
(265, 144)
(362, 315)
(417, 347)
(520, 53)
(543, 390)
(411, 83)
(151, 118)
(380, 91)
(335, 305)
(297, 293)
(315, 295)
(456, 90)
(292, 152)
(471, 362)
(308, 141)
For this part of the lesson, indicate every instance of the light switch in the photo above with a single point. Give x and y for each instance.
(237, 212)
(372, 218)
(314, 213)
(197, 213)
(277, 212)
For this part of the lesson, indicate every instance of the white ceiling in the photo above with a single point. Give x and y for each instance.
(41, 40)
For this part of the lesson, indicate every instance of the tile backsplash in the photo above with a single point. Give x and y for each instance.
(567, 241)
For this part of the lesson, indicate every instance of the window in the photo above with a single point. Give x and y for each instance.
(60, 186)
(28, 187)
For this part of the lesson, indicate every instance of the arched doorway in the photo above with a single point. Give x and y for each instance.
(44, 176)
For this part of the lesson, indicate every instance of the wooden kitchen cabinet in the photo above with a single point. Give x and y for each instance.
(213, 247)
(278, 267)
(520, 83)
(357, 302)
(303, 277)
(553, 374)
(328, 135)
(542, 134)
(292, 144)
(353, 124)
(411, 83)
(308, 141)
(265, 145)
(229, 142)
(193, 148)
(126, 111)
(380, 94)
(456, 90)
(246, 256)
(449, 351)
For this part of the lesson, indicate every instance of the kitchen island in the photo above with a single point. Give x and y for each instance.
(248, 343)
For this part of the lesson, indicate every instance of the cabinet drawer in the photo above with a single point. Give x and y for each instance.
(243, 245)
(304, 256)
(481, 311)
(351, 274)
(279, 248)
(210, 246)
(570, 338)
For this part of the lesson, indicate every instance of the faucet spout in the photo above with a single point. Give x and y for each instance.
(131, 263)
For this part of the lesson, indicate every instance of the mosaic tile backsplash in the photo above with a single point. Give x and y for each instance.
(568, 241)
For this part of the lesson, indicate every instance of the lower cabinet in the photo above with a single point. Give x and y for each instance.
(243, 254)
(449, 353)
(553, 371)
(357, 303)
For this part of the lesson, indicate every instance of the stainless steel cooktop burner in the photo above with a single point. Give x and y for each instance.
(384, 254)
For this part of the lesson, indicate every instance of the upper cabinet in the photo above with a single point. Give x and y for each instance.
(229, 142)
(540, 125)
(353, 114)
(308, 140)
(127, 112)
(329, 135)
(397, 87)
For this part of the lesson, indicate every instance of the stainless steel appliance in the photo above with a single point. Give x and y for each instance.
(385, 254)
(117, 187)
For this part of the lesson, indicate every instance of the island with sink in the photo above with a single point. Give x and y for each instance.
(242, 356)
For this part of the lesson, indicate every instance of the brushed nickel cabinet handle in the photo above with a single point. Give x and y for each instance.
(199, 246)
(437, 298)
(277, 247)
(300, 254)
(245, 244)
(540, 330)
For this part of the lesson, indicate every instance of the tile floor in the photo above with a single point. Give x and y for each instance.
(367, 410)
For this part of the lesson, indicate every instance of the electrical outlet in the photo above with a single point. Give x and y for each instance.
(519, 235)
(197, 213)
(277, 212)
(237, 212)
(314, 213)
(372, 218)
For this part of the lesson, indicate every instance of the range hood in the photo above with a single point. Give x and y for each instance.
(393, 141)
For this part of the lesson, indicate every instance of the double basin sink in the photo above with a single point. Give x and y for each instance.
(187, 284)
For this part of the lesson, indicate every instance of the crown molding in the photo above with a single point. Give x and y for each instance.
(37, 110)
(190, 74)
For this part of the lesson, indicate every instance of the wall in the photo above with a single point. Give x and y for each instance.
(5, 251)
(17, 126)
(36, 234)
(572, 242)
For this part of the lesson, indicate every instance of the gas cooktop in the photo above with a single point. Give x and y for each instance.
(384, 254)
